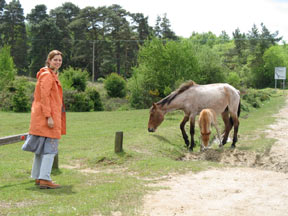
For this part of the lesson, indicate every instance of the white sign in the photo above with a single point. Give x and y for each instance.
(280, 73)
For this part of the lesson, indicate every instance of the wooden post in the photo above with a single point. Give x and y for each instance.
(55, 162)
(13, 139)
(118, 142)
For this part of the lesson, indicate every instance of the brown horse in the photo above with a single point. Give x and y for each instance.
(192, 99)
(207, 119)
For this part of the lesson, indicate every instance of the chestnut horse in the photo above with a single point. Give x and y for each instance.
(207, 119)
(192, 98)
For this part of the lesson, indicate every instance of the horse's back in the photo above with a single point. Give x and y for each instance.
(214, 96)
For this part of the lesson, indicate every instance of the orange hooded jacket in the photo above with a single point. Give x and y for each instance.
(48, 102)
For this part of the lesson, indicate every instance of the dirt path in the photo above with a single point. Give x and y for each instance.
(259, 188)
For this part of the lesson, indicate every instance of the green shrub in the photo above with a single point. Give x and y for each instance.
(101, 80)
(95, 97)
(20, 101)
(17, 96)
(74, 79)
(233, 79)
(263, 96)
(115, 86)
(113, 104)
(140, 96)
(7, 68)
(254, 97)
(68, 96)
(77, 101)
(81, 103)
(167, 90)
(245, 106)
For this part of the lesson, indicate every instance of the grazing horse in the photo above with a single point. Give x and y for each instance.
(192, 99)
(207, 119)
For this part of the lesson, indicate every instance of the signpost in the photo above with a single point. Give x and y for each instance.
(280, 74)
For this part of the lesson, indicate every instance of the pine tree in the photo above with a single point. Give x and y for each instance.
(14, 34)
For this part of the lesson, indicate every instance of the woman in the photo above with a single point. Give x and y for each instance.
(48, 121)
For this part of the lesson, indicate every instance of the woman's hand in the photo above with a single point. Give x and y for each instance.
(50, 122)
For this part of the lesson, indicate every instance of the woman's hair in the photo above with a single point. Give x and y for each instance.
(51, 56)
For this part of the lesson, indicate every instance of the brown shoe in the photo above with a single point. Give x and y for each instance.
(45, 184)
(37, 181)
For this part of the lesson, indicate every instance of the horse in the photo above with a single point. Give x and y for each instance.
(192, 98)
(207, 119)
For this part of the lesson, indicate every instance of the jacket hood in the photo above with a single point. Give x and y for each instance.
(42, 70)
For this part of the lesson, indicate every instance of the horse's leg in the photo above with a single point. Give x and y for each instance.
(218, 133)
(236, 126)
(192, 131)
(228, 126)
(182, 127)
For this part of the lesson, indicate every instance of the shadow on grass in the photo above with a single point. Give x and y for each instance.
(56, 171)
(15, 185)
(161, 138)
(64, 189)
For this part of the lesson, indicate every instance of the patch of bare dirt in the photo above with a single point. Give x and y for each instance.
(257, 185)
(233, 191)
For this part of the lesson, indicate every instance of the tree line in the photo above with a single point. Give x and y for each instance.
(105, 38)
(109, 39)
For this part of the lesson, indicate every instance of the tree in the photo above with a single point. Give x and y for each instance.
(224, 37)
(240, 42)
(167, 32)
(7, 68)
(163, 28)
(45, 36)
(143, 29)
(275, 56)
(63, 16)
(14, 33)
(2, 4)
(210, 68)
(162, 67)
(259, 43)
(208, 38)
(120, 31)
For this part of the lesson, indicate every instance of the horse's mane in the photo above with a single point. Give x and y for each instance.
(174, 94)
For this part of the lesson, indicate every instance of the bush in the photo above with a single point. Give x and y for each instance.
(140, 96)
(77, 101)
(68, 96)
(113, 104)
(115, 86)
(74, 79)
(95, 97)
(7, 68)
(254, 97)
(101, 80)
(20, 101)
(17, 96)
(233, 79)
(81, 103)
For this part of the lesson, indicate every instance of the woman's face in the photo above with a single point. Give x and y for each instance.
(56, 62)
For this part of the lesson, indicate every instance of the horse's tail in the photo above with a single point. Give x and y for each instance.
(239, 108)
(238, 113)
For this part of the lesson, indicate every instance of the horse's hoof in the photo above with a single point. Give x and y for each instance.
(233, 146)
(190, 149)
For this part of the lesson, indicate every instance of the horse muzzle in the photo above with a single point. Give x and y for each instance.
(151, 129)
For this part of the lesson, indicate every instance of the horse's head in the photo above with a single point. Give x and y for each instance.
(156, 118)
(205, 138)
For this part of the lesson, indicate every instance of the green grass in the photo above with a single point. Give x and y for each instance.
(103, 182)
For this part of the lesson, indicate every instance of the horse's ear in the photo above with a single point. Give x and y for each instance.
(154, 106)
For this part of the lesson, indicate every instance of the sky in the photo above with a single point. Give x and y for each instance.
(187, 16)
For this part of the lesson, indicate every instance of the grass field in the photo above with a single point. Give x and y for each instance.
(95, 180)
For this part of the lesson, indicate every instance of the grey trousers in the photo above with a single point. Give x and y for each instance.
(42, 166)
